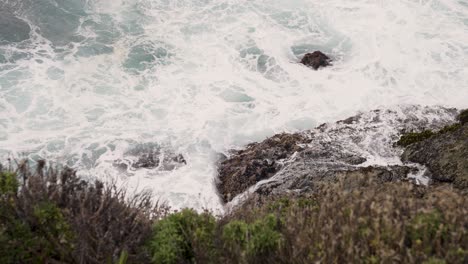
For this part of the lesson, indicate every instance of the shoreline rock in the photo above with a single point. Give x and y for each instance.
(297, 163)
(444, 154)
(257, 162)
(309, 183)
(150, 156)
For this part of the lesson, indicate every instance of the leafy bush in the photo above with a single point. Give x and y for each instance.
(8, 183)
(18, 243)
(253, 241)
(427, 227)
(372, 223)
(38, 235)
(183, 237)
(57, 217)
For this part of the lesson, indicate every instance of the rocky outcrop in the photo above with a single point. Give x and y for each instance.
(296, 163)
(316, 60)
(445, 155)
(257, 162)
(463, 117)
(312, 176)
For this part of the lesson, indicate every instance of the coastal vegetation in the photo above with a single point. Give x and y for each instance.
(54, 217)
(356, 215)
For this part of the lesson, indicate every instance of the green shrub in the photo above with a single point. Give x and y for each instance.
(55, 217)
(373, 223)
(235, 235)
(73, 222)
(411, 138)
(37, 237)
(263, 236)
(425, 226)
(50, 219)
(252, 241)
(16, 239)
(282, 204)
(183, 237)
(426, 230)
(8, 183)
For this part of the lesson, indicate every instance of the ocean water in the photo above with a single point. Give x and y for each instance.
(87, 83)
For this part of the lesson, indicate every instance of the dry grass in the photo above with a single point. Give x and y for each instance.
(57, 218)
(359, 221)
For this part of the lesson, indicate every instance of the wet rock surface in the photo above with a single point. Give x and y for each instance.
(463, 117)
(257, 162)
(295, 163)
(150, 156)
(308, 180)
(445, 155)
(316, 60)
(12, 28)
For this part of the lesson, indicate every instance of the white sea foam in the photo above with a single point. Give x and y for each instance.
(204, 76)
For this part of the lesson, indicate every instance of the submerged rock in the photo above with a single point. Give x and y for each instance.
(150, 156)
(316, 60)
(444, 154)
(296, 163)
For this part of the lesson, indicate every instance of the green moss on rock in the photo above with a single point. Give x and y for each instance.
(413, 137)
(449, 128)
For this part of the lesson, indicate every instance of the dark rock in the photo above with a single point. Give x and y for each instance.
(173, 162)
(316, 60)
(257, 162)
(121, 165)
(463, 117)
(147, 161)
(220, 158)
(150, 156)
(12, 28)
(318, 174)
(350, 120)
(444, 154)
(296, 163)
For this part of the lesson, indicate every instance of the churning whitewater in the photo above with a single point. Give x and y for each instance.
(99, 84)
